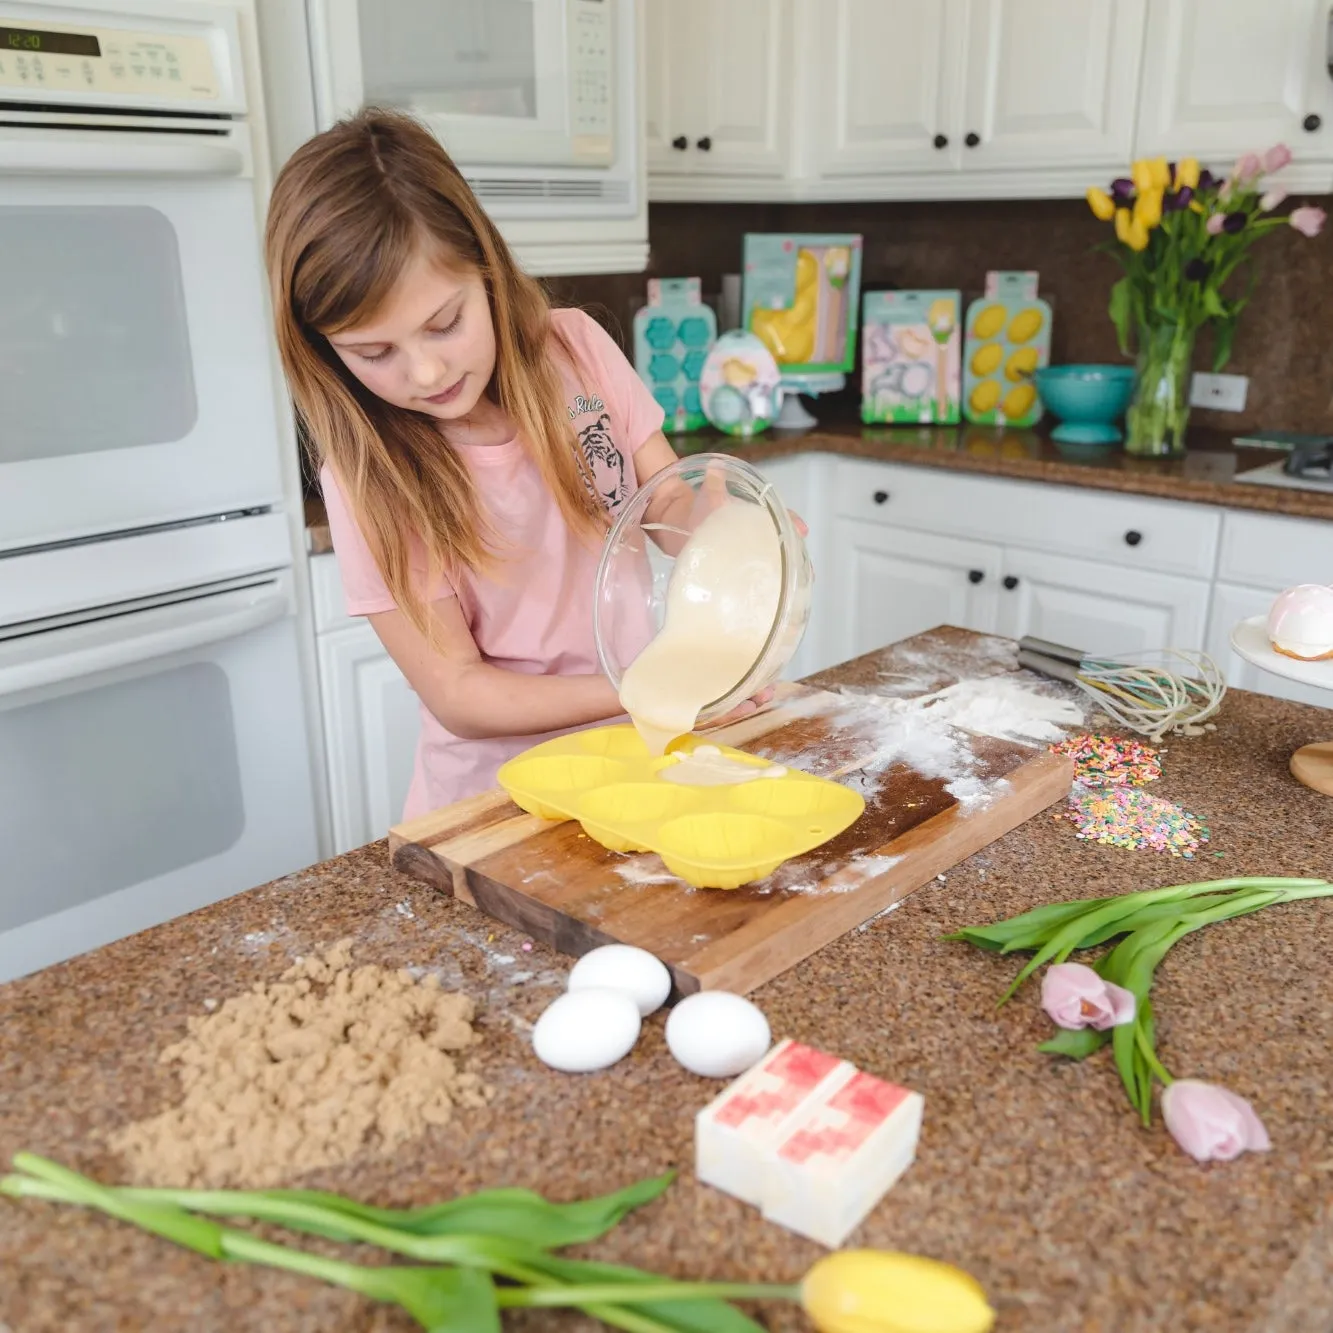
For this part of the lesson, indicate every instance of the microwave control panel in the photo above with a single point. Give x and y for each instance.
(591, 80)
(59, 59)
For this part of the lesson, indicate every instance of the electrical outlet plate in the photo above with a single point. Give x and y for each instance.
(1222, 393)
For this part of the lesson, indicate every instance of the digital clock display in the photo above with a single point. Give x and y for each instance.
(32, 41)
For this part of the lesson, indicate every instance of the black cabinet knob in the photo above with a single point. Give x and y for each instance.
(704, 144)
(1133, 538)
(680, 143)
(973, 139)
(1011, 581)
(1311, 123)
(941, 141)
(975, 575)
(880, 497)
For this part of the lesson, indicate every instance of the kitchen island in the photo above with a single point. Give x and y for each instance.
(1033, 1175)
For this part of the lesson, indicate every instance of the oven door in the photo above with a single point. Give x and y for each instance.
(136, 385)
(493, 78)
(150, 763)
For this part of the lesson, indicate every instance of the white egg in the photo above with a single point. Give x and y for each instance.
(622, 967)
(586, 1030)
(717, 1034)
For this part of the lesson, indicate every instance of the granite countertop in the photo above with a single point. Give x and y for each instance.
(1205, 475)
(1033, 1175)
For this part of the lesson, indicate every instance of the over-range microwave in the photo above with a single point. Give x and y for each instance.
(534, 99)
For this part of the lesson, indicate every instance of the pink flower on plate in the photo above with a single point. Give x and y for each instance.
(1215, 223)
(1276, 158)
(1271, 199)
(1308, 221)
(1076, 997)
(1210, 1123)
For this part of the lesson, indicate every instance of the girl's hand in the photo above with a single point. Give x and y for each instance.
(752, 705)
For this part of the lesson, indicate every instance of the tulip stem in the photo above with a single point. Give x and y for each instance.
(638, 1293)
(1150, 1056)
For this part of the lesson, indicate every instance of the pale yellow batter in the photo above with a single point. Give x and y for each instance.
(721, 603)
(707, 766)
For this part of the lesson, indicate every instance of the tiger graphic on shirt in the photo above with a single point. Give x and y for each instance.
(606, 461)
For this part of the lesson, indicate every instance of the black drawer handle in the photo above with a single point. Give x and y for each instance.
(1011, 581)
(880, 497)
(704, 144)
(975, 575)
(1311, 123)
(973, 139)
(1133, 538)
(680, 143)
(941, 141)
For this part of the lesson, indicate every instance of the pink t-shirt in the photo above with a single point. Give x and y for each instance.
(533, 613)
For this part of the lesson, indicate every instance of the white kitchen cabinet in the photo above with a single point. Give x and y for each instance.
(1050, 84)
(1231, 604)
(717, 87)
(371, 724)
(1099, 608)
(888, 584)
(1223, 77)
(875, 114)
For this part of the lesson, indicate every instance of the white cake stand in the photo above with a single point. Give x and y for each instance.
(1311, 764)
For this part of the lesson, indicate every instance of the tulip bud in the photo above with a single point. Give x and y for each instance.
(1187, 173)
(1210, 1123)
(1076, 997)
(874, 1291)
(1148, 209)
(1101, 203)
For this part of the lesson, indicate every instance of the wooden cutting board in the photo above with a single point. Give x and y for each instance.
(559, 886)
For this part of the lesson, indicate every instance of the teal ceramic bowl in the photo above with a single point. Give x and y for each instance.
(1088, 400)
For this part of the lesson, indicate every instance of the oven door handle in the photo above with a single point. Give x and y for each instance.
(107, 645)
(66, 152)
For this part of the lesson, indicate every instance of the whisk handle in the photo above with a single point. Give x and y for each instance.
(1055, 667)
(1044, 648)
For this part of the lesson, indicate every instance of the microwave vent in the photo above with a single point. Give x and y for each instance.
(513, 189)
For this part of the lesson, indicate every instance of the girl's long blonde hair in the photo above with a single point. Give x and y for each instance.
(350, 211)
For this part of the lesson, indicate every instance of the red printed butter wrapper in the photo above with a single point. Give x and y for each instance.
(837, 1129)
(775, 1087)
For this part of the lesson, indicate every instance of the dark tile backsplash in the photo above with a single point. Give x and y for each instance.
(1284, 342)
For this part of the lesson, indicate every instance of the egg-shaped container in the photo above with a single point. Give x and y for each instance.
(1300, 623)
(639, 557)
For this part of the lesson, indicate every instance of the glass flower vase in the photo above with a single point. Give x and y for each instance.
(1159, 412)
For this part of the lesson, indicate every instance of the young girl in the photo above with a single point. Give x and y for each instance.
(475, 444)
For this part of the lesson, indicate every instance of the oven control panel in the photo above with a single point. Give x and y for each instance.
(56, 58)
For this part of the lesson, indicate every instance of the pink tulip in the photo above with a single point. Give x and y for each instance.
(1308, 221)
(1276, 157)
(1076, 997)
(1247, 169)
(1272, 199)
(1215, 223)
(1210, 1123)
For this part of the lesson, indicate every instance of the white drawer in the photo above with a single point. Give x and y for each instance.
(326, 594)
(1137, 532)
(1269, 551)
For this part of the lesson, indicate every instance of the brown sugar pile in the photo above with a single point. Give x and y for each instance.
(327, 1064)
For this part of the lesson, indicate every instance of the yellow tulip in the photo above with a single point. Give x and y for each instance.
(1160, 173)
(1101, 203)
(1187, 173)
(1122, 221)
(1137, 236)
(1148, 209)
(873, 1291)
(1141, 174)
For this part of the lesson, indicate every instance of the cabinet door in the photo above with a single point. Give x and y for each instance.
(1231, 604)
(1099, 608)
(739, 51)
(1224, 77)
(371, 723)
(887, 85)
(889, 584)
(1050, 83)
(671, 81)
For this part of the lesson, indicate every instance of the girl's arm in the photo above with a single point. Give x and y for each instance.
(475, 700)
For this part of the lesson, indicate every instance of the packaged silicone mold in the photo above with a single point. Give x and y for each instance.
(673, 335)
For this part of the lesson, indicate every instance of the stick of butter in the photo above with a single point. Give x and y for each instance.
(836, 1159)
(734, 1135)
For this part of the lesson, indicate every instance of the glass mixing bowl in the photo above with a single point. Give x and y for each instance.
(629, 599)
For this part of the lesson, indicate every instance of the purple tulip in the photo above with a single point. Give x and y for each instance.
(1308, 221)
(1210, 1123)
(1177, 199)
(1233, 222)
(1122, 191)
(1197, 270)
(1207, 181)
(1076, 997)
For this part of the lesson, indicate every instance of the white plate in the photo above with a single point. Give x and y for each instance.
(1250, 640)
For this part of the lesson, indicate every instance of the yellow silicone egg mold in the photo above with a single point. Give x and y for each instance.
(1006, 341)
(711, 837)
